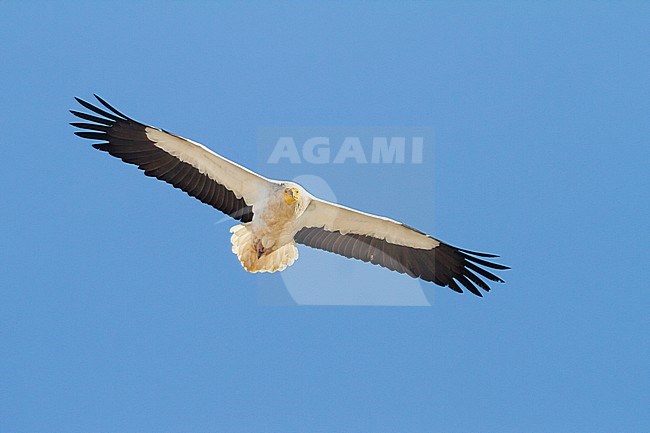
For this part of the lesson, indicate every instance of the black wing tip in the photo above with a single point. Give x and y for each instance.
(112, 114)
(82, 102)
(473, 256)
(478, 254)
(110, 107)
(453, 286)
(466, 279)
(92, 135)
(101, 100)
(470, 280)
(462, 279)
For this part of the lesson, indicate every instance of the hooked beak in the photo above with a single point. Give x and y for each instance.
(290, 196)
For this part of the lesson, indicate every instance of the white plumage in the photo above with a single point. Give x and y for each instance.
(277, 215)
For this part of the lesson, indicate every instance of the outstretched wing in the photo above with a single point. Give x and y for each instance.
(393, 245)
(183, 163)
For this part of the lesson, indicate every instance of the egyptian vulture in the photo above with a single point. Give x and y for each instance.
(277, 215)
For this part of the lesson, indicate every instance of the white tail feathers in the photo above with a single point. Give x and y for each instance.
(246, 250)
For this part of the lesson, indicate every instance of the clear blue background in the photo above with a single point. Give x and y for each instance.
(123, 310)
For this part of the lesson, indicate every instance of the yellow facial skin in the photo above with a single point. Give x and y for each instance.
(291, 195)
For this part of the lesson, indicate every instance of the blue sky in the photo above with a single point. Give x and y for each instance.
(122, 308)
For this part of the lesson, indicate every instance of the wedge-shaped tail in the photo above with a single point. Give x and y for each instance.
(244, 247)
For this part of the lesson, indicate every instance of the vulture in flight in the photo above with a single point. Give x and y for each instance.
(277, 215)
